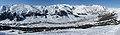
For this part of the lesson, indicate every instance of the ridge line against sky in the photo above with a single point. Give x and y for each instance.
(107, 3)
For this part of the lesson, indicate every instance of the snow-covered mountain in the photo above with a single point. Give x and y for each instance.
(54, 15)
(62, 19)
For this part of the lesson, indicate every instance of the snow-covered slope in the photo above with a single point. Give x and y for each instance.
(54, 15)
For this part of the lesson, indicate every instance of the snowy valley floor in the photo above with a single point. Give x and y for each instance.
(99, 30)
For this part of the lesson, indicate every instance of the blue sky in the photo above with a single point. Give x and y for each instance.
(107, 3)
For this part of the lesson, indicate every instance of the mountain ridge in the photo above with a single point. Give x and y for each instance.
(60, 13)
